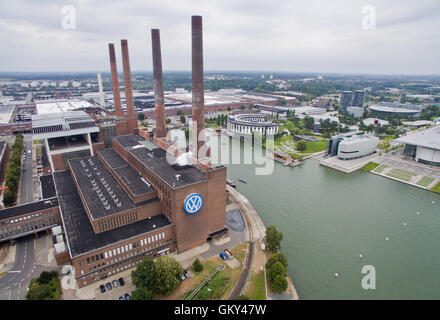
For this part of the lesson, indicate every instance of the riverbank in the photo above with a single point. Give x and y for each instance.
(255, 257)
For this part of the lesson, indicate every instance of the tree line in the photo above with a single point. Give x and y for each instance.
(13, 172)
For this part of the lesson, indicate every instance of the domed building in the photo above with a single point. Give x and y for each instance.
(246, 124)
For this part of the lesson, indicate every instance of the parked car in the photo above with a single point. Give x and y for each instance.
(115, 284)
(223, 256)
(228, 253)
(121, 281)
(108, 285)
(102, 288)
(127, 296)
(187, 273)
(121, 298)
(183, 277)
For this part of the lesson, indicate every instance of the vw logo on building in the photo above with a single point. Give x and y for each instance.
(193, 203)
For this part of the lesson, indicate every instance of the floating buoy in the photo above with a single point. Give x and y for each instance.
(418, 213)
(404, 223)
(433, 201)
(336, 275)
(361, 256)
(387, 238)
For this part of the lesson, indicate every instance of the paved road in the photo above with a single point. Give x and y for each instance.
(26, 182)
(13, 284)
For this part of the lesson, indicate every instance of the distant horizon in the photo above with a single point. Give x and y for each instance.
(265, 72)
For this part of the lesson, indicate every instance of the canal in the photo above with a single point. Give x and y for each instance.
(329, 219)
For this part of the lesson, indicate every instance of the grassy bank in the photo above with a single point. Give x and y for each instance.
(370, 166)
(436, 188)
(255, 288)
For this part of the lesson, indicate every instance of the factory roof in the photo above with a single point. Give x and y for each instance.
(58, 106)
(47, 186)
(28, 208)
(6, 113)
(62, 124)
(102, 193)
(79, 232)
(429, 138)
(157, 160)
(132, 179)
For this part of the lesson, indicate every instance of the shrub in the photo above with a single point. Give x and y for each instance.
(197, 265)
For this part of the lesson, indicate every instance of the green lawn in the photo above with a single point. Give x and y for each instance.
(436, 188)
(381, 168)
(425, 181)
(370, 166)
(312, 147)
(401, 174)
(255, 288)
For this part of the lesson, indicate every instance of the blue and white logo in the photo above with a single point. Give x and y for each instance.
(193, 203)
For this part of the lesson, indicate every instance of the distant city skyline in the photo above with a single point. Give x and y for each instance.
(261, 36)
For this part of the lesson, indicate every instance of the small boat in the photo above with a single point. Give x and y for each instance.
(241, 180)
(231, 183)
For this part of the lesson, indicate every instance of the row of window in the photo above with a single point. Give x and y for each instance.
(36, 215)
(54, 128)
(118, 221)
(122, 249)
(26, 227)
(119, 266)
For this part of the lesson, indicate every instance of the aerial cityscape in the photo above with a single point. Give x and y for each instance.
(221, 151)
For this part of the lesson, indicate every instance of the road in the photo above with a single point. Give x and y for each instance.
(14, 283)
(26, 182)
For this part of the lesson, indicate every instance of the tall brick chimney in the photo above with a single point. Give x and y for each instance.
(161, 129)
(131, 116)
(115, 81)
(198, 100)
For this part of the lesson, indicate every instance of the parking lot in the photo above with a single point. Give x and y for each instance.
(115, 292)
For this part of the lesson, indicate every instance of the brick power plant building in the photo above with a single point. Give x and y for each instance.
(131, 195)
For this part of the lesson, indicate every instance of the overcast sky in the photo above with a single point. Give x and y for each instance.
(270, 35)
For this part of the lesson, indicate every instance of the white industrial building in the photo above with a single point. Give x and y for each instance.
(357, 146)
(352, 145)
(423, 146)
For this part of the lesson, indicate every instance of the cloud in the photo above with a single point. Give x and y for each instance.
(278, 35)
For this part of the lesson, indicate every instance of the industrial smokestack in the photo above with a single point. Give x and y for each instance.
(101, 91)
(127, 79)
(115, 81)
(198, 100)
(158, 84)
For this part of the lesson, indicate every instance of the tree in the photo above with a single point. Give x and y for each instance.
(168, 273)
(275, 270)
(182, 119)
(301, 145)
(279, 284)
(273, 238)
(141, 116)
(144, 274)
(142, 294)
(39, 292)
(283, 101)
(197, 265)
(309, 122)
(277, 257)
(168, 121)
(46, 276)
